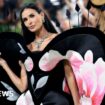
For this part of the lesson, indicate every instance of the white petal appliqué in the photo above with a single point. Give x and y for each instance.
(25, 99)
(22, 51)
(21, 100)
(41, 82)
(29, 64)
(15, 95)
(32, 80)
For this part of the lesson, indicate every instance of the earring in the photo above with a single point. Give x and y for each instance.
(43, 20)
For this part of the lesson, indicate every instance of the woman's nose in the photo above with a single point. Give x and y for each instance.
(29, 22)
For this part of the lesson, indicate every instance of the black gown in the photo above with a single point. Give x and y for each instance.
(47, 87)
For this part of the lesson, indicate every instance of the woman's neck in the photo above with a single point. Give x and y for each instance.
(40, 33)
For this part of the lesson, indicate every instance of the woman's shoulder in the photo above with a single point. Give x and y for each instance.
(53, 35)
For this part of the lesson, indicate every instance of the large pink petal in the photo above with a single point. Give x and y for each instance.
(99, 93)
(99, 66)
(49, 60)
(79, 82)
(75, 59)
(88, 74)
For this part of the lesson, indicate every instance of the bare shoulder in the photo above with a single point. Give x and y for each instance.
(54, 35)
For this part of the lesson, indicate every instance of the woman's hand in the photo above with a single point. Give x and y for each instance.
(3, 63)
(19, 82)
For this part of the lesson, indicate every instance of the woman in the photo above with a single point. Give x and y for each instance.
(38, 33)
(96, 15)
(100, 6)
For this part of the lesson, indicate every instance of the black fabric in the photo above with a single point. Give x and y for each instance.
(54, 98)
(10, 51)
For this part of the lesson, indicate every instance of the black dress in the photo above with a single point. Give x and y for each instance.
(48, 87)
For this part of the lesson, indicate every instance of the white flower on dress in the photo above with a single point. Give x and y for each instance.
(25, 99)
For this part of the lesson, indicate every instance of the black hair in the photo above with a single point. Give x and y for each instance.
(30, 36)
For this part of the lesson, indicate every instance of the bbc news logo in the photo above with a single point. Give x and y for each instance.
(6, 93)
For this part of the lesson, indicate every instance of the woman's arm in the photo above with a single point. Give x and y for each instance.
(71, 82)
(88, 15)
(20, 83)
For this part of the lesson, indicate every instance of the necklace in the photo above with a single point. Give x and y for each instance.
(39, 43)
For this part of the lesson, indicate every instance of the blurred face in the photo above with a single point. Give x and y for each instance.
(1, 3)
(59, 16)
(65, 25)
(32, 19)
(85, 2)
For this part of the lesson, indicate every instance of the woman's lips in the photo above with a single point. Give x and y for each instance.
(31, 27)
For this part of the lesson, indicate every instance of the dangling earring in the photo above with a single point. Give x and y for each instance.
(43, 20)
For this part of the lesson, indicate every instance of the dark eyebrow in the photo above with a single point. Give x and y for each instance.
(31, 14)
(24, 18)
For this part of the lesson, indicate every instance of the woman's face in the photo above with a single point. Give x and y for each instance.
(32, 19)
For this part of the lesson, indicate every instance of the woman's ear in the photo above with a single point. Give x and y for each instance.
(43, 16)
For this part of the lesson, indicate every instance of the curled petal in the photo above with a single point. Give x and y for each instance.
(49, 60)
(75, 59)
(99, 66)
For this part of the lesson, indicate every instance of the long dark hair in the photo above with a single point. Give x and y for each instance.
(30, 36)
